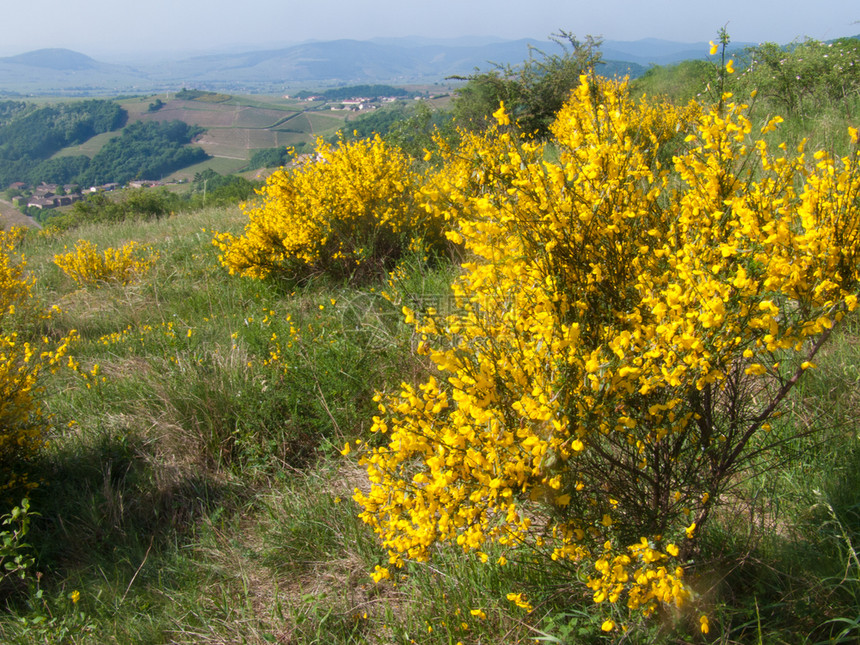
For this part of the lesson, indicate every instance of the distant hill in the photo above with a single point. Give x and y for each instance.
(54, 59)
(400, 61)
(352, 61)
(393, 61)
(63, 71)
(653, 51)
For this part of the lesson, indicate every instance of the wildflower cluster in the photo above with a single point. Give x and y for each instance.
(22, 364)
(86, 265)
(628, 320)
(351, 210)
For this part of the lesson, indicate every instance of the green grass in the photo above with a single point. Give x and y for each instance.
(323, 125)
(267, 102)
(157, 476)
(89, 148)
(221, 165)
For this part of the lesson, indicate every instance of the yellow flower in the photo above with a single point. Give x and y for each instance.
(730, 66)
(85, 265)
(756, 369)
(703, 624)
(572, 308)
(479, 613)
(75, 596)
(519, 601)
(852, 133)
(714, 48)
(608, 625)
(501, 116)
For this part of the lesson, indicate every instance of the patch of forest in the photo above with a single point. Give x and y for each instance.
(354, 91)
(144, 150)
(30, 136)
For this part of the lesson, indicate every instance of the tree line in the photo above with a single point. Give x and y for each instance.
(366, 91)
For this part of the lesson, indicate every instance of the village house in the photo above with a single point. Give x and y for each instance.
(43, 190)
(104, 187)
(42, 202)
(53, 201)
(45, 196)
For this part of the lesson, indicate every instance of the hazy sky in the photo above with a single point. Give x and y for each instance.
(104, 28)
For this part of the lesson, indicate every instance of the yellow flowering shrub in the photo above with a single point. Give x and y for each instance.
(352, 210)
(627, 321)
(14, 287)
(22, 364)
(87, 265)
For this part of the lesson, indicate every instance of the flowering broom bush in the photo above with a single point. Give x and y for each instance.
(86, 265)
(22, 367)
(351, 211)
(625, 328)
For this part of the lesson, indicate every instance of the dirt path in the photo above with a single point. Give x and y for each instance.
(11, 216)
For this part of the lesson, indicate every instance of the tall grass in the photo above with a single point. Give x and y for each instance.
(213, 396)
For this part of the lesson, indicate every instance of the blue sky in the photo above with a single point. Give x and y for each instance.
(107, 28)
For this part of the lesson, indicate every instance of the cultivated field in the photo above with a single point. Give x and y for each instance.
(235, 128)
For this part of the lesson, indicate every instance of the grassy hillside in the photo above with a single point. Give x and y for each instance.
(192, 492)
(193, 448)
(195, 488)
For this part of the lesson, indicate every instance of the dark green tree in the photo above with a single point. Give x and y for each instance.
(269, 158)
(30, 136)
(147, 150)
(534, 91)
(410, 127)
(211, 188)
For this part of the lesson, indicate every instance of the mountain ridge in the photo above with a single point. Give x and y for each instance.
(343, 61)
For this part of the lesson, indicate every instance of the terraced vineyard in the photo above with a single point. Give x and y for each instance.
(235, 128)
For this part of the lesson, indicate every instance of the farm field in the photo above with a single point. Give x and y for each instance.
(89, 148)
(235, 128)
